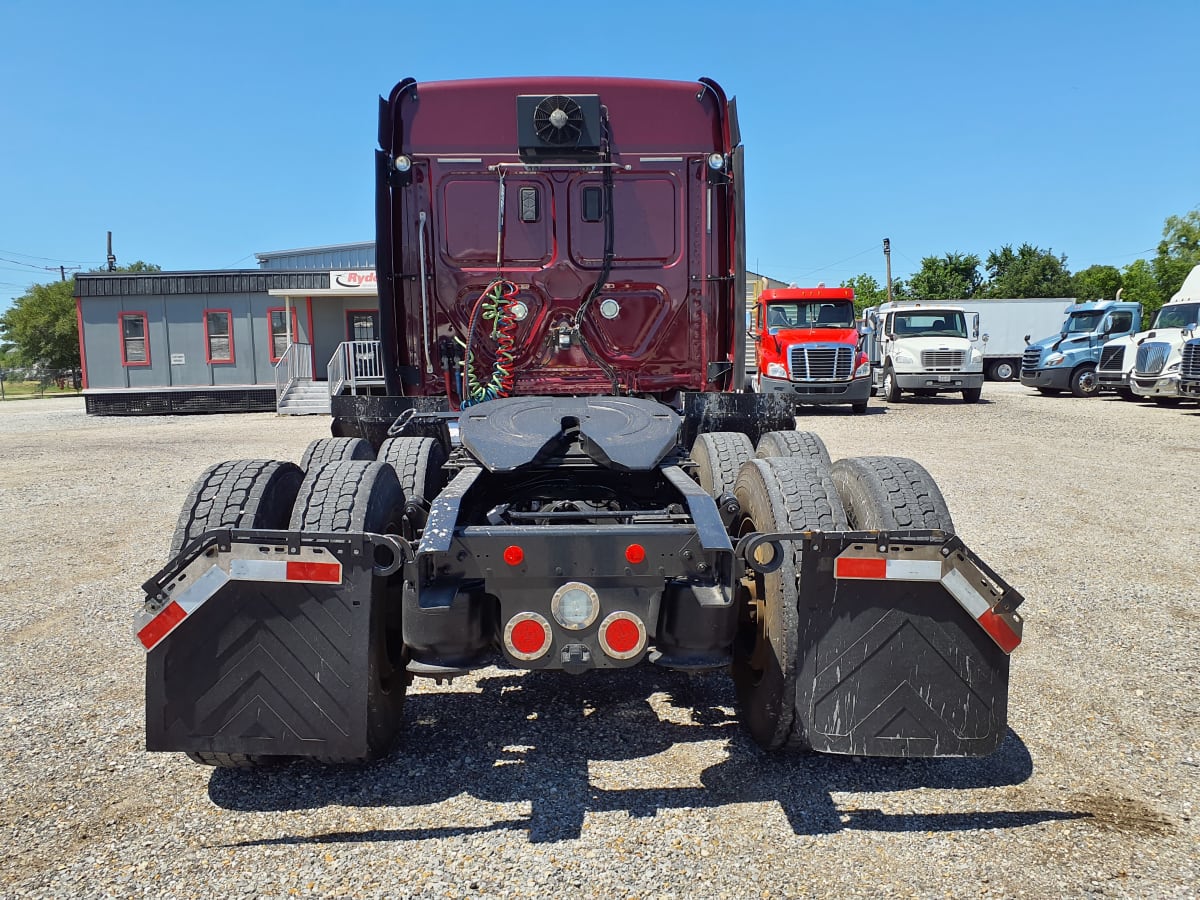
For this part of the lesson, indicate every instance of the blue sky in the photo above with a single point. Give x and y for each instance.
(202, 133)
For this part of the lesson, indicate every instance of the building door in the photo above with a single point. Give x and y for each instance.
(362, 325)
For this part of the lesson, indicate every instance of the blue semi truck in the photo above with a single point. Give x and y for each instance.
(1067, 361)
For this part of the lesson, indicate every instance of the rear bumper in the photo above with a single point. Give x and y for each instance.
(1051, 379)
(939, 381)
(855, 391)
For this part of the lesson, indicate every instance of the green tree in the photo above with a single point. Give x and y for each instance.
(1178, 252)
(1028, 271)
(40, 327)
(867, 292)
(954, 276)
(1097, 283)
(1138, 285)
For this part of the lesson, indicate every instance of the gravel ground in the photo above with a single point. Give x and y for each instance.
(641, 785)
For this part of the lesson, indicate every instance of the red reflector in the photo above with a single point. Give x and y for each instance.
(635, 553)
(850, 567)
(528, 636)
(622, 635)
(156, 629)
(514, 556)
(330, 573)
(1001, 633)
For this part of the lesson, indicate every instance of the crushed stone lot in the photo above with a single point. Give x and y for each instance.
(636, 785)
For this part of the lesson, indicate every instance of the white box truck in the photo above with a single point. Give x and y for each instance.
(1004, 325)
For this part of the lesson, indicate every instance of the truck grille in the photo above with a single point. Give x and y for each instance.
(1151, 358)
(942, 359)
(1190, 367)
(821, 362)
(1112, 358)
(1031, 358)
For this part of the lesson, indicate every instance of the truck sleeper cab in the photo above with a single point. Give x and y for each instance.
(808, 347)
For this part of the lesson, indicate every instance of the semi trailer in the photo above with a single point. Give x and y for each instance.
(1003, 324)
(565, 473)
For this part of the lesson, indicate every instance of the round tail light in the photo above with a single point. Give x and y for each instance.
(527, 636)
(622, 635)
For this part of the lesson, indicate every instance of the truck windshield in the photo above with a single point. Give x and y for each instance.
(1179, 316)
(934, 323)
(1083, 322)
(813, 314)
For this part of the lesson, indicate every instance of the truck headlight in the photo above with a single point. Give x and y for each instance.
(776, 370)
(1054, 359)
(1173, 367)
(863, 371)
(903, 356)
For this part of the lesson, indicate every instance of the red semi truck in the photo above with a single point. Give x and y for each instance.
(808, 347)
(565, 473)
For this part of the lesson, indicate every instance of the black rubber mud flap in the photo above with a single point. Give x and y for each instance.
(262, 667)
(751, 414)
(893, 667)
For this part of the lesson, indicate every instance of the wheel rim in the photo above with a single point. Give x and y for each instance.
(1087, 382)
(887, 383)
(1004, 372)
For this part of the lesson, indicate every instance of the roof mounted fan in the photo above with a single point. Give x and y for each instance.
(558, 121)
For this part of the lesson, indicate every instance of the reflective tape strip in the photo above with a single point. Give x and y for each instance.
(977, 605)
(968, 598)
(881, 567)
(189, 599)
(304, 571)
(161, 625)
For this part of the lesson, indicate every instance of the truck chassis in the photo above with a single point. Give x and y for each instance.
(575, 534)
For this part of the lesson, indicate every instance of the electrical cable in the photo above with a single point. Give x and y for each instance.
(495, 304)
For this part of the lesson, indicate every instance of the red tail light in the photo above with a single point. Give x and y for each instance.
(635, 553)
(622, 635)
(527, 636)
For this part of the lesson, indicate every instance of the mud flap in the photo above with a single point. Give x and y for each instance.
(751, 414)
(264, 665)
(894, 659)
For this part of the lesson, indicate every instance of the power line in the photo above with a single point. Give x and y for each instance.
(53, 259)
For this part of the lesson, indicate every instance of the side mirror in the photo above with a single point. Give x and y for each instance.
(985, 337)
(975, 327)
(1026, 339)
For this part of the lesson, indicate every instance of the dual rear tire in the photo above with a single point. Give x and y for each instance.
(797, 494)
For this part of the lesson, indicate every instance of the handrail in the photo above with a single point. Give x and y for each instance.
(295, 364)
(355, 362)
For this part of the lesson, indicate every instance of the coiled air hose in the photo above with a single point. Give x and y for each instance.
(495, 304)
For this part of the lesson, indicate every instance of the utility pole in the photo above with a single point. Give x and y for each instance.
(887, 255)
(112, 260)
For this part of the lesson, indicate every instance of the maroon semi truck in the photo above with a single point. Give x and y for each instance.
(566, 472)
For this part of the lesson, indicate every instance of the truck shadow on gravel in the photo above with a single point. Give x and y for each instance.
(542, 738)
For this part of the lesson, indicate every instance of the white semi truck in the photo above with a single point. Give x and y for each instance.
(923, 348)
(1146, 365)
(1004, 326)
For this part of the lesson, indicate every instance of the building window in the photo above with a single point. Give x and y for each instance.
(279, 332)
(135, 347)
(218, 335)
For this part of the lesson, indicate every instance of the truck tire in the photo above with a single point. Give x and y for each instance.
(859, 408)
(971, 395)
(1002, 370)
(795, 444)
(776, 494)
(418, 463)
(891, 390)
(719, 456)
(1167, 401)
(1049, 392)
(240, 493)
(356, 496)
(324, 450)
(890, 493)
(1084, 382)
